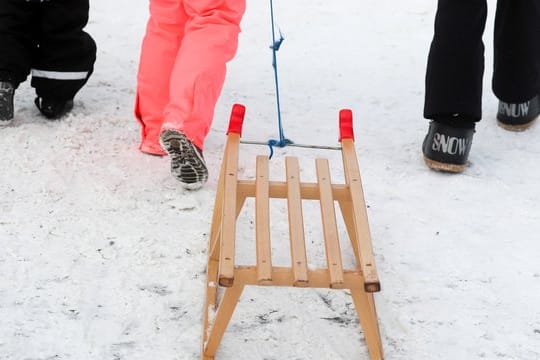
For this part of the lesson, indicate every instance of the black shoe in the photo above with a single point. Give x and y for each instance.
(518, 116)
(7, 91)
(446, 148)
(187, 162)
(53, 109)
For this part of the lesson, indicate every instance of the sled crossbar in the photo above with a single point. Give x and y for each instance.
(306, 146)
(223, 272)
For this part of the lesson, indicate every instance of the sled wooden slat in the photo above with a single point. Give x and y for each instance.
(284, 276)
(226, 279)
(296, 223)
(308, 191)
(330, 231)
(262, 221)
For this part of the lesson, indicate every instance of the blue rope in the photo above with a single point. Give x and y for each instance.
(276, 44)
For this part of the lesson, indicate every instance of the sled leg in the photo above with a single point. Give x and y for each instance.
(346, 211)
(213, 258)
(365, 307)
(221, 320)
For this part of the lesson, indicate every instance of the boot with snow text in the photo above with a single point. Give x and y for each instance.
(446, 148)
(518, 116)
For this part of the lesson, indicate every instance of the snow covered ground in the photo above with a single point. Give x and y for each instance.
(103, 254)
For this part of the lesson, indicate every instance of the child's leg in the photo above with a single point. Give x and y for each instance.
(456, 60)
(210, 41)
(516, 76)
(160, 46)
(65, 58)
(16, 42)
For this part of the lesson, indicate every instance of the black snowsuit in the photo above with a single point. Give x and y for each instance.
(47, 39)
(456, 59)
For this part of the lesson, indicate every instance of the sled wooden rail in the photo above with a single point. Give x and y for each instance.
(231, 194)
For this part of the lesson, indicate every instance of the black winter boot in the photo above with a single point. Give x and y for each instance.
(7, 92)
(53, 109)
(518, 116)
(446, 148)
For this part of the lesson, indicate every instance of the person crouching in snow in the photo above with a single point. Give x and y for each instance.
(181, 74)
(44, 37)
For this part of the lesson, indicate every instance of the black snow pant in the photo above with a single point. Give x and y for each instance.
(456, 60)
(47, 39)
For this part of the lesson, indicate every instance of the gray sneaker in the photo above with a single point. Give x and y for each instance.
(6, 102)
(187, 162)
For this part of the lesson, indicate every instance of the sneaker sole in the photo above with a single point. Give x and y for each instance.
(189, 176)
(5, 122)
(516, 128)
(439, 166)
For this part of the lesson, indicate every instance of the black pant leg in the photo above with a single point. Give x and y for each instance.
(65, 58)
(516, 76)
(16, 39)
(456, 60)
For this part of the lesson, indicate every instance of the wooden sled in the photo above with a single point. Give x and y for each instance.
(230, 197)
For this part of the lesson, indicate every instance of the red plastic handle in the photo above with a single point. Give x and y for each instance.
(345, 125)
(237, 119)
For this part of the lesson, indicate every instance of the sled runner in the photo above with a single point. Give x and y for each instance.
(223, 272)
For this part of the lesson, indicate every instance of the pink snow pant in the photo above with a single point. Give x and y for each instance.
(183, 65)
